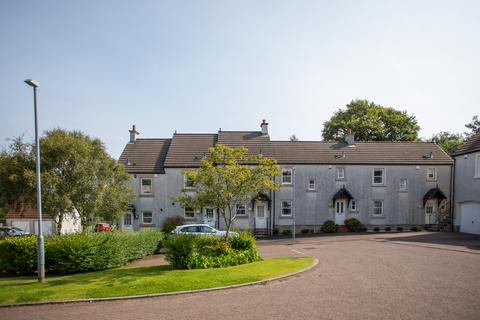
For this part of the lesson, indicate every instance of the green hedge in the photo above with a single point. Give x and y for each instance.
(329, 226)
(194, 252)
(78, 252)
(354, 225)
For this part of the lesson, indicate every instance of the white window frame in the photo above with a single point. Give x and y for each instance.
(185, 182)
(310, 186)
(382, 207)
(143, 217)
(353, 205)
(244, 209)
(291, 176)
(343, 175)
(384, 176)
(141, 185)
(285, 207)
(130, 215)
(189, 216)
(403, 188)
(476, 173)
(434, 174)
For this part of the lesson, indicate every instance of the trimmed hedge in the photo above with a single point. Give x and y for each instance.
(196, 252)
(78, 252)
(329, 226)
(354, 225)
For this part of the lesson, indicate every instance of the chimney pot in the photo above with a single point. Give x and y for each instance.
(133, 133)
(264, 126)
(350, 137)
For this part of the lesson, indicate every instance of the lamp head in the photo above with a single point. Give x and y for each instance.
(32, 83)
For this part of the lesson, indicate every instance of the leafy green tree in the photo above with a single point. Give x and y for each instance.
(76, 171)
(371, 122)
(227, 177)
(449, 142)
(473, 126)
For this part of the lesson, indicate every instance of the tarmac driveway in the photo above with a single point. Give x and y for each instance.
(407, 276)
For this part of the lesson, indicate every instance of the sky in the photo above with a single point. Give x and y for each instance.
(197, 66)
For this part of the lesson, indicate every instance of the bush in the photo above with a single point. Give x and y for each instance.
(329, 226)
(377, 229)
(399, 228)
(194, 252)
(170, 223)
(287, 232)
(305, 231)
(354, 225)
(364, 229)
(275, 231)
(388, 229)
(78, 252)
(413, 229)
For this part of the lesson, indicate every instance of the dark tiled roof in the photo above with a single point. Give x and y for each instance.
(319, 152)
(254, 141)
(472, 145)
(145, 155)
(187, 150)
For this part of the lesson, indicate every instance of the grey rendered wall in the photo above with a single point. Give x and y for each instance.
(467, 188)
(315, 207)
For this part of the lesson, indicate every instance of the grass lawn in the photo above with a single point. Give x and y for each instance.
(145, 280)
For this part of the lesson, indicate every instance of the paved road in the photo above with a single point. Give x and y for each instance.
(357, 277)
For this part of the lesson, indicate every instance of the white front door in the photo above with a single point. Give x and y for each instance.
(261, 216)
(127, 221)
(431, 214)
(209, 216)
(340, 207)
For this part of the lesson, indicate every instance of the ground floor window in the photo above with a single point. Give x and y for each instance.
(286, 208)
(147, 217)
(127, 219)
(378, 207)
(353, 205)
(241, 209)
(189, 213)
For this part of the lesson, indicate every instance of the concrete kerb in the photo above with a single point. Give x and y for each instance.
(155, 295)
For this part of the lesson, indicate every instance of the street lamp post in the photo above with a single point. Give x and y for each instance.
(40, 245)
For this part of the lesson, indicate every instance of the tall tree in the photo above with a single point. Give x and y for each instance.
(473, 126)
(227, 177)
(449, 142)
(77, 173)
(371, 122)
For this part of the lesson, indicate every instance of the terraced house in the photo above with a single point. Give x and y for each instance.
(379, 183)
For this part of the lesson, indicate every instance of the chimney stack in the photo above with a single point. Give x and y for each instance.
(264, 126)
(133, 133)
(350, 138)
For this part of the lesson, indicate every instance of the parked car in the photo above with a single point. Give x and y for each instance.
(11, 231)
(102, 227)
(201, 230)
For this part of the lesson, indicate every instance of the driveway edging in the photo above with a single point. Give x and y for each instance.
(154, 295)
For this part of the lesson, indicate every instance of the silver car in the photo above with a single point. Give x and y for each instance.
(201, 230)
(12, 231)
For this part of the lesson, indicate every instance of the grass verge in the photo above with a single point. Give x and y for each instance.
(138, 281)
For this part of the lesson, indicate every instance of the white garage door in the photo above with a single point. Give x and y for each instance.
(470, 218)
(22, 224)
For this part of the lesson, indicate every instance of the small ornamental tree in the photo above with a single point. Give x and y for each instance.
(227, 177)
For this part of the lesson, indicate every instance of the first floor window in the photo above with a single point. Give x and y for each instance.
(189, 213)
(187, 182)
(127, 219)
(378, 207)
(147, 217)
(340, 173)
(353, 205)
(378, 176)
(241, 210)
(287, 176)
(403, 185)
(286, 208)
(431, 174)
(146, 186)
(311, 184)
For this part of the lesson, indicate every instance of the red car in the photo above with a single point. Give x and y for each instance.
(103, 227)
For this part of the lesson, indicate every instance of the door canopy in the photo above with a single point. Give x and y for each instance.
(342, 194)
(261, 197)
(434, 193)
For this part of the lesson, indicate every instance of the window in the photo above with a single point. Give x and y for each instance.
(127, 219)
(429, 208)
(379, 176)
(287, 176)
(340, 173)
(147, 217)
(403, 185)
(241, 209)
(187, 182)
(431, 174)
(353, 205)
(477, 166)
(189, 213)
(311, 184)
(378, 207)
(286, 208)
(146, 186)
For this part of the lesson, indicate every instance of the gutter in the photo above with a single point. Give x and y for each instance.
(452, 194)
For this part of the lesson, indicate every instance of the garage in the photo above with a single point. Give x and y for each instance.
(470, 218)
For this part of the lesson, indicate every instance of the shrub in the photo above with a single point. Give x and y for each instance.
(275, 231)
(194, 252)
(354, 225)
(413, 228)
(399, 228)
(377, 229)
(78, 252)
(364, 229)
(388, 229)
(329, 226)
(287, 232)
(170, 223)
(305, 231)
